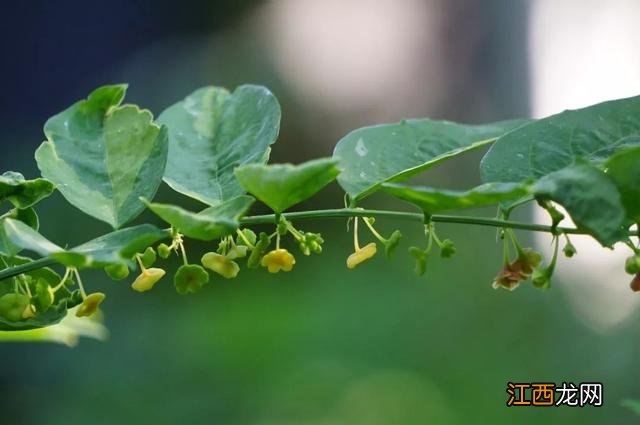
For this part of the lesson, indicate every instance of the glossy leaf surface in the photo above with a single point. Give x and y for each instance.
(211, 132)
(432, 200)
(103, 156)
(281, 186)
(211, 223)
(624, 169)
(589, 196)
(113, 248)
(373, 155)
(550, 144)
(23, 193)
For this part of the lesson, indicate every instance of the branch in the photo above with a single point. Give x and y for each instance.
(346, 213)
(459, 219)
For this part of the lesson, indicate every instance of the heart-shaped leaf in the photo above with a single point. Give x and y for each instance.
(103, 156)
(211, 223)
(432, 200)
(211, 132)
(23, 193)
(373, 155)
(589, 196)
(550, 144)
(113, 248)
(281, 186)
(624, 169)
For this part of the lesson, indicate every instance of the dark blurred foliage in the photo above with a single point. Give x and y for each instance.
(321, 345)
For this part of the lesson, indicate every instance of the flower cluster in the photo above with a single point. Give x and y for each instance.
(528, 264)
(36, 294)
(518, 270)
(421, 255)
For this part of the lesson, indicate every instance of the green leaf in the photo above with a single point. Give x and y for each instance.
(211, 132)
(27, 216)
(550, 144)
(432, 200)
(211, 223)
(27, 238)
(589, 196)
(373, 155)
(23, 193)
(113, 248)
(103, 156)
(624, 169)
(281, 186)
(233, 209)
(119, 246)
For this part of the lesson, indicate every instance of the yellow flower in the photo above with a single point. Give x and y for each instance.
(220, 264)
(278, 259)
(361, 255)
(147, 279)
(90, 304)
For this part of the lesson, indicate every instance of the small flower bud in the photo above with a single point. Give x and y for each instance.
(164, 251)
(392, 243)
(148, 257)
(569, 250)
(541, 278)
(311, 242)
(448, 248)
(117, 271)
(282, 228)
(632, 265)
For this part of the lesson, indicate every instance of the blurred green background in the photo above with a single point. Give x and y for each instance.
(322, 345)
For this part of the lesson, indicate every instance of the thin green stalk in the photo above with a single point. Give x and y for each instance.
(346, 213)
(27, 267)
(407, 216)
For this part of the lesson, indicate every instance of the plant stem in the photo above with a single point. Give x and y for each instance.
(407, 216)
(346, 213)
(27, 267)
